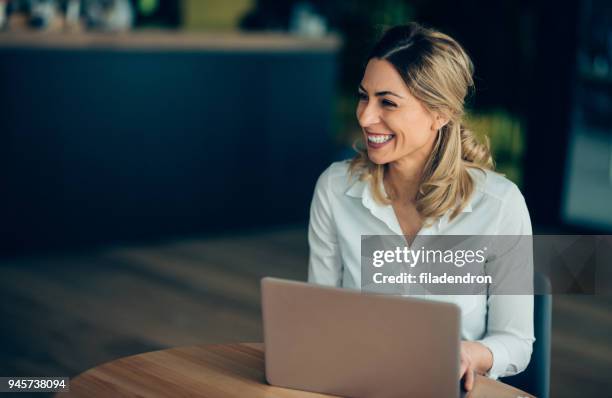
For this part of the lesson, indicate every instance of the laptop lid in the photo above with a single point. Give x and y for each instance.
(343, 342)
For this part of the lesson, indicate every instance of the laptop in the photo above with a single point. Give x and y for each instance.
(352, 344)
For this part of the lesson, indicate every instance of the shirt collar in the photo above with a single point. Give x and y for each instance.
(361, 189)
(356, 188)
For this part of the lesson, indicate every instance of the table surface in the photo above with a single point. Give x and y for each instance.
(223, 370)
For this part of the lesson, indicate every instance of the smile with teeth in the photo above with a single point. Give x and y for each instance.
(380, 139)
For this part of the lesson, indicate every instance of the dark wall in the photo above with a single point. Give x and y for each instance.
(549, 110)
(104, 146)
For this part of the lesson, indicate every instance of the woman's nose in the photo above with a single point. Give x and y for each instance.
(367, 114)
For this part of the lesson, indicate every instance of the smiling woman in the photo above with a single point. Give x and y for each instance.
(421, 172)
(410, 107)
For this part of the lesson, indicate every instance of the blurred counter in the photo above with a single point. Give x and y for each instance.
(169, 40)
(104, 142)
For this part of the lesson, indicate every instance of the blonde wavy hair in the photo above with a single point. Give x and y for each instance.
(438, 72)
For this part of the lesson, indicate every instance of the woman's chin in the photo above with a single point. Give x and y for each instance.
(380, 160)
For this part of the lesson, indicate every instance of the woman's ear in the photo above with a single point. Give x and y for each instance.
(439, 121)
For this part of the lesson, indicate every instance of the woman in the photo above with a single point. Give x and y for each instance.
(423, 173)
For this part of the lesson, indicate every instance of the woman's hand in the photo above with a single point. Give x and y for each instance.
(475, 358)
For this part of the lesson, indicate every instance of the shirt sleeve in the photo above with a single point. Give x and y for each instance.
(509, 334)
(324, 262)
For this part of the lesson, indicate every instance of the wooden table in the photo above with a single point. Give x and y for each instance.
(224, 370)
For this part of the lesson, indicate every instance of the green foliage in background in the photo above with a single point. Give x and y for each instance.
(147, 7)
(506, 135)
(391, 12)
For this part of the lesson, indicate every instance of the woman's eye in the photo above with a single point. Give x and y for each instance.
(388, 103)
(362, 96)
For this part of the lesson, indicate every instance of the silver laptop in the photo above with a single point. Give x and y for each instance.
(343, 342)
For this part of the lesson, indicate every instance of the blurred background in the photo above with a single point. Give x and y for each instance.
(158, 158)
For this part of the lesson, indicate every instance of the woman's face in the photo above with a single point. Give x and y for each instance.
(396, 126)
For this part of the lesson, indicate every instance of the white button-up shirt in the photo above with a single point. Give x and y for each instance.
(343, 209)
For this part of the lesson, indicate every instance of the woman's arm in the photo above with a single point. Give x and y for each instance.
(505, 349)
(324, 263)
(509, 334)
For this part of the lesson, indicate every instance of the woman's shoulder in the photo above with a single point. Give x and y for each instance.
(337, 175)
(491, 185)
(338, 169)
(496, 196)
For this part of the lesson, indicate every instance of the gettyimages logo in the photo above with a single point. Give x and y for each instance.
(500, 264)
